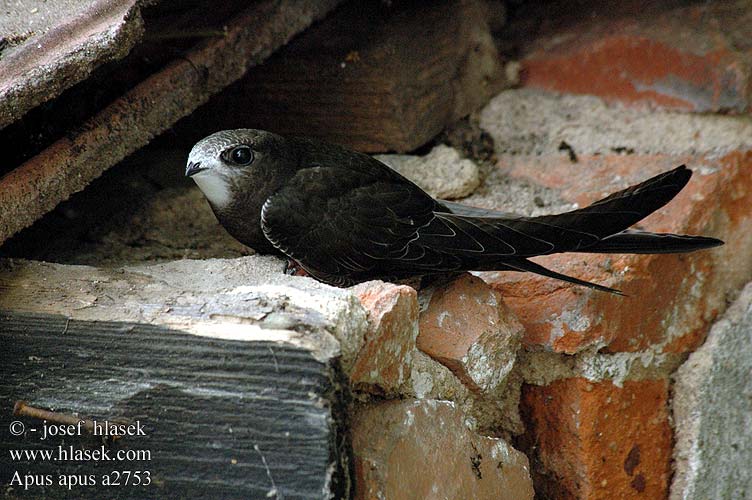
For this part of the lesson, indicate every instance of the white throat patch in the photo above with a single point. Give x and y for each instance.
(215, 188)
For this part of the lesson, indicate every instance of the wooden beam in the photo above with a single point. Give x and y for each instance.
(370, 77)
(237, 395)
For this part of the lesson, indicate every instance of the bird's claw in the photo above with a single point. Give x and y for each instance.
(293, 268)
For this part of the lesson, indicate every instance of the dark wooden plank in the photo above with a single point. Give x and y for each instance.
(223, 418)
(371, 77)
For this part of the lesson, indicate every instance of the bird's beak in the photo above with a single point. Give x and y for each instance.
(193, 168)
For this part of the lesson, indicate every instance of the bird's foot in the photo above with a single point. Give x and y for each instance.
(293, 268)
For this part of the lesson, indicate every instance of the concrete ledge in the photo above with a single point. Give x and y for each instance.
(713, 411)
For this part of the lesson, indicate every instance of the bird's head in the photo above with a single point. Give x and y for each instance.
(218, 163)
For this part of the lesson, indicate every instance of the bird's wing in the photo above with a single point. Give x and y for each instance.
(578, 230)
(343, 225)
(468, 210)
(340, 223)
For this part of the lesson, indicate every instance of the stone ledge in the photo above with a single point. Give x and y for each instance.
(712, 405)
(212, 297)
(233, 368)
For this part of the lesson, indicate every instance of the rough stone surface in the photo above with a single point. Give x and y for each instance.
(534, 122)
(713, 411)
(497, 414)
(423, 449)
(691, 57)
(54, 45)
(251, 292)
(383, 363)
(594, 440)
(389, 364)
(467, 328)
(441, 173)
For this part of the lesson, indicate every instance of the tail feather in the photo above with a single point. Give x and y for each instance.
(485, 239)
(622, 209)
(644, 242)
(530, 266)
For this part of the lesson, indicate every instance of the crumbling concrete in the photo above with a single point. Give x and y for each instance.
(535, 122)
(713, 411)
(441, 173)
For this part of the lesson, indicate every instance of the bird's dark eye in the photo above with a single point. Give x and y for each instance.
(241, 155)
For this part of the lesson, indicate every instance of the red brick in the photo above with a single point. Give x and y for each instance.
(383, 363)
(468, 328)
(671, 298)
(687, 58)
(422, 449)
(591, 440)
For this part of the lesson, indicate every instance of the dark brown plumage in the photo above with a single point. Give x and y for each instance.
(346, 217)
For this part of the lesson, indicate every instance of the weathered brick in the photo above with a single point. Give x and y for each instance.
(383, 363)
(694, 58)
(468, 328)
(423, 449)
(596, 440)
(390, 364)
(671, 298)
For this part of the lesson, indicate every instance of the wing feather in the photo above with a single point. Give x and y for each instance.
(353, 228)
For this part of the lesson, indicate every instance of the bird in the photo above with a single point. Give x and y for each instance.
(344, 217)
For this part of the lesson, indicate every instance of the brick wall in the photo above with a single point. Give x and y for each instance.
(579, 381)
